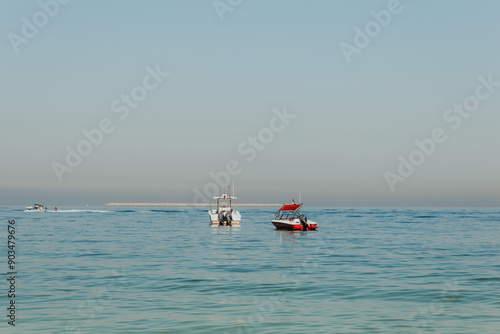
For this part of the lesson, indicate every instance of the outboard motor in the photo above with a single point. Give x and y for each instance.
(225, 218)
(221, 218)
(303, 221)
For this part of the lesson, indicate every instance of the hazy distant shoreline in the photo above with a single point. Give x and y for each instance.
(184, 204)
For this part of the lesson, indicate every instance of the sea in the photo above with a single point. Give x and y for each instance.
(166, 270)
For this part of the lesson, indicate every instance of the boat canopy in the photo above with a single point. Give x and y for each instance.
(290, 207)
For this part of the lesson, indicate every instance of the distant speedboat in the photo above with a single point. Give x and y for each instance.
(36, 207)
(224, 213)
(288, 217)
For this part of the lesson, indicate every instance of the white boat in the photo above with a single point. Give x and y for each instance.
(288, 217)
(36, 207)
(224, 214)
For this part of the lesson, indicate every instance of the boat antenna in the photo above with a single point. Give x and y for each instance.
(233, 187)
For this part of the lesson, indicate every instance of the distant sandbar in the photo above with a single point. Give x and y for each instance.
(186, 204)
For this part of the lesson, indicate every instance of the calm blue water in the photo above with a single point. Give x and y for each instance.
(164, 270)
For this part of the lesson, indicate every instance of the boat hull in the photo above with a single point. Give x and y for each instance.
(214, 219)
(294, 225)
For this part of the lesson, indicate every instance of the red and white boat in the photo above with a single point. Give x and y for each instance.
(288, 217)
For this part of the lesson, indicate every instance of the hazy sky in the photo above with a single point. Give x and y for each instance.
(70, 67)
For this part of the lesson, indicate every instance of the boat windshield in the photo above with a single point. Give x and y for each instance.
(287, 214)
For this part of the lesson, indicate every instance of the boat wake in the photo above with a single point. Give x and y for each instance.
(70, 211)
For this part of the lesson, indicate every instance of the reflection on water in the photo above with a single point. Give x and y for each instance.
(225, 229)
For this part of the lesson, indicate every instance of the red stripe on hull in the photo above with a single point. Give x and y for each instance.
(294, 227)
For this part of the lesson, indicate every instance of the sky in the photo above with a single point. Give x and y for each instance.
(326, 98)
